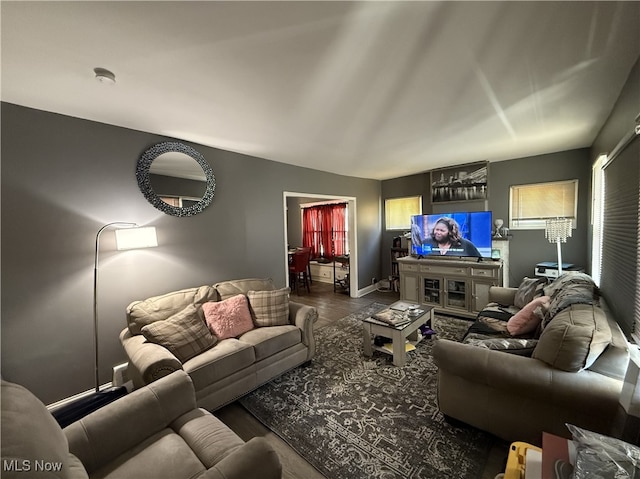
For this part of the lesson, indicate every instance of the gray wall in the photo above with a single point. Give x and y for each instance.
(526, 247)
(63, 178)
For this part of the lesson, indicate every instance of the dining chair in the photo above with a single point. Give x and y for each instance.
(298, 270)
(308, 249)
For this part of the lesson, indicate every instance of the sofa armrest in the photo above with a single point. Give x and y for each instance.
(256, 459)
(303, 317)
(502, 295)
(149, 361)
(115, 428)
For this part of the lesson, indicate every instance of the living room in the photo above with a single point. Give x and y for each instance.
(64, 176)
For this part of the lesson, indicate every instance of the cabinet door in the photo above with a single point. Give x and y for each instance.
(480, 295)
(432, 290)
(409, 287)
(456, 297)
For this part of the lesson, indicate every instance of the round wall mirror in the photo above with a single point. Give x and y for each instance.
(176, 179)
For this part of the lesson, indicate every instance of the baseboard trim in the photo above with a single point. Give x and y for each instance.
(63, 402)
(364, 291)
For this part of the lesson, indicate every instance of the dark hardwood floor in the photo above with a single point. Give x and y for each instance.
(331, 307)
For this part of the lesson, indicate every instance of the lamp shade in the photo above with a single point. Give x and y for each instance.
(132, 238)
(558, 229)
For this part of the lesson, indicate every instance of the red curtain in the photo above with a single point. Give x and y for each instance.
(311, 230)
(324, 229)
(339, 227)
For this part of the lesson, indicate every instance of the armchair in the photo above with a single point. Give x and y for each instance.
(156, 432)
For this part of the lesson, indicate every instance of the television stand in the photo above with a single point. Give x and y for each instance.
(452, 286)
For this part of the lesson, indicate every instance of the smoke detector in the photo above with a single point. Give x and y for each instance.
(104, 76)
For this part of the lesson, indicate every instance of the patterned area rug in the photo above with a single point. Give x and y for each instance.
(353, 417)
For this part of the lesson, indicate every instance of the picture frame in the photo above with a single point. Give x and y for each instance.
(468, 182)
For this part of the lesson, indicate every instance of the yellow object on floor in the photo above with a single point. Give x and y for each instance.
(519, 454)
(407, 346)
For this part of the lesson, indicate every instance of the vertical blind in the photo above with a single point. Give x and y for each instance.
(620, 283)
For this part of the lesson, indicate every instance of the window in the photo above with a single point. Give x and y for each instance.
(325, 230)
(398, 212)
(620, 243)
(597, 192)
(531, 205)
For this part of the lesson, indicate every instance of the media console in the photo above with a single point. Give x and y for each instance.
(453, 286)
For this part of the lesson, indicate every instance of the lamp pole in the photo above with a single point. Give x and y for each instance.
(558, 241)
(95, 295)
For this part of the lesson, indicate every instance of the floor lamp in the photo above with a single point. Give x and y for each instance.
(131, 237)
(557, 231)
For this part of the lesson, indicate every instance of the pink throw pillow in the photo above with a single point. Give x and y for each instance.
(229, 318)
(526, 320)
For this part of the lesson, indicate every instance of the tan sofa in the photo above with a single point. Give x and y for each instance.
(155, 432)
(233, 366)
(572, 374)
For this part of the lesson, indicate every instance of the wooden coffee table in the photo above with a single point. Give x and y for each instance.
(399, 335)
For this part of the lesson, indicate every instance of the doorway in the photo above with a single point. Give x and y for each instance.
(353, 253)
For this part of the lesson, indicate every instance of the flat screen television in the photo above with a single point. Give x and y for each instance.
(466, 234)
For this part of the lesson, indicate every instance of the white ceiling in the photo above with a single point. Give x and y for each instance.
(367, 89)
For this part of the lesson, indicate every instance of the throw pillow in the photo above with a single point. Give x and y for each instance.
(228, 318)
(184, 334)
(160, 308)
(529, 289)
(574, 338)
(528, 318)
(270, 308)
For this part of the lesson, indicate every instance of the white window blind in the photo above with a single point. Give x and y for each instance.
(620, 244)
(531, 205)
(398, 212)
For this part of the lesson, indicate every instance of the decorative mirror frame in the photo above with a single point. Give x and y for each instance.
(144, 181)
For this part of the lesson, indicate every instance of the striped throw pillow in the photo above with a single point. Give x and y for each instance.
(269, 308)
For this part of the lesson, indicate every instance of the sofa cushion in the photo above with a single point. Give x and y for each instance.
(184, 334)
(226, 289)
(269, 308)
(229, 356)
(528, 318)
(529, 289)
(574, 338)
(158, 308)
(228, 318)
(207, 436)
(272, 340)
(164, 454)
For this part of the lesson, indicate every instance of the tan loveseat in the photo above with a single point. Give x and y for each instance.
(221, 369)
(572, 374)
(155, 432)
